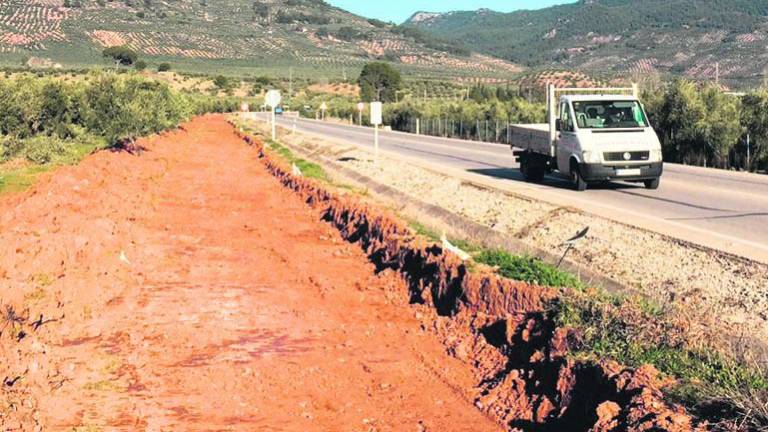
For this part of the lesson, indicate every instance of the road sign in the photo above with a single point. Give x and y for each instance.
(273, 98)
(244, 107)
(323, 106)
(376, 110)
(360, 107)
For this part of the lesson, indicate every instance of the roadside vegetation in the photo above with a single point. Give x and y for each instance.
(51, 121)
(706, 376)
(307, 168)
(702, 125)
(709, 378)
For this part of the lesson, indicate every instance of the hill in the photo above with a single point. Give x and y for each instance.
(682, 37)
(223, 35)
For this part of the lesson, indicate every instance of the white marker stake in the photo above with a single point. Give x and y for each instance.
(360, 109)
(273, 99)
(376, 117)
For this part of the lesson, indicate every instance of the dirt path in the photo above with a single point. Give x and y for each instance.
(197, 294)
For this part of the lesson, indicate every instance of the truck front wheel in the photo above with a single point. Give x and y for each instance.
(578, 181)
(652, 184)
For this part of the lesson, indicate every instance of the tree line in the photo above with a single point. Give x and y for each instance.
(702, 125)
(43, 119)
(697, 124)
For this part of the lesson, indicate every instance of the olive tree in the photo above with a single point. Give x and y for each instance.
(379, 82)
(121, 55)
(754, 118)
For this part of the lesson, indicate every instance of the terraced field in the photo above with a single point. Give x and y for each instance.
(223, 36)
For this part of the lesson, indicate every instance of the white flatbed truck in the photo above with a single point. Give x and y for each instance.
(592, 136)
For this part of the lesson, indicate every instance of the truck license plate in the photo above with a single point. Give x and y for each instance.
(628, 172)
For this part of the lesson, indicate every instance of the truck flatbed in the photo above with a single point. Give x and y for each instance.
(534, 137)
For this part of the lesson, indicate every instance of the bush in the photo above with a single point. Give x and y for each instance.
(121, 55)
(164, 67)
(140, 65)
(48, 120)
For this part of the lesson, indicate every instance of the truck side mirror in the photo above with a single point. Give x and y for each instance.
(558, 125)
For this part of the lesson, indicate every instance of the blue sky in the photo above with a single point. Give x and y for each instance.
(399, 10)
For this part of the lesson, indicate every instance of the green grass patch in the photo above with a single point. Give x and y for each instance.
(308, 169)
(424, 230)
(527, 269)
(18, 177)
(634, 331)
(515, 267)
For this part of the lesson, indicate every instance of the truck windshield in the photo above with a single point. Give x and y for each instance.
(609, 114)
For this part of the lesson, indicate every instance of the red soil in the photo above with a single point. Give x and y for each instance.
(524, 378)
(188, 290)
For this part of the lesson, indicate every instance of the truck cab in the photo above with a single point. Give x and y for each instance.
(591, 138)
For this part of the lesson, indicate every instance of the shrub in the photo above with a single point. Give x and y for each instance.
(49, 120)
(164, 67)
(121, 55)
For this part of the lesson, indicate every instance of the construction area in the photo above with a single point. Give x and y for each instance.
(201, 282)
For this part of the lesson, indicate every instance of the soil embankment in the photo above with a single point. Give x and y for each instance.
(186, 289)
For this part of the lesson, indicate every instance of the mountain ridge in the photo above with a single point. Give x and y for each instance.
(677, 37)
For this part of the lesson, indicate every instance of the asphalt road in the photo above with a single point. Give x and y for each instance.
(706, 206)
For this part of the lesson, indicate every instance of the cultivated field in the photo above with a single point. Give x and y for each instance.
(236, 36)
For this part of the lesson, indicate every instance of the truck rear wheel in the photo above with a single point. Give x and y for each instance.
(652, 184)
(533, 167)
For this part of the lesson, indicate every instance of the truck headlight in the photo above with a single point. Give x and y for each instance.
(591, 157)
(656, 155)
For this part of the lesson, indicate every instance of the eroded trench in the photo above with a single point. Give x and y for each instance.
(502, 328)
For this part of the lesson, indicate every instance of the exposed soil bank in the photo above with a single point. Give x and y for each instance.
(186, 290)
(725, 293)
(500, 327)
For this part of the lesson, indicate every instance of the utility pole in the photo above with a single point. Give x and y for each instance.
(748, 166)
(290, 82)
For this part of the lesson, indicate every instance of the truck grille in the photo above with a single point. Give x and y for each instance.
(621, 156)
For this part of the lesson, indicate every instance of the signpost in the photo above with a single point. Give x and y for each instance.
(376, 117)
(323, 107)
(360, 109)
(273, 99)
